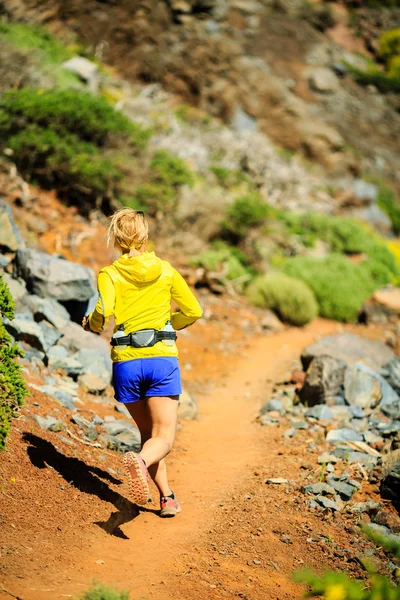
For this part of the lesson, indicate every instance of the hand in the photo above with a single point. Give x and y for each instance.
(85, 323)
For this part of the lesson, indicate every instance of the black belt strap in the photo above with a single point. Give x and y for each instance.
(158, 336)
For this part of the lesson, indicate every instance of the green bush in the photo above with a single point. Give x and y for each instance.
(388, 202)
(389, 44)
(226, 259)
(12, 386)
(291, 299)
(338, 586)
(167, 174)
(340, 286)
(100, 592)
(373, 75)
(245, 212)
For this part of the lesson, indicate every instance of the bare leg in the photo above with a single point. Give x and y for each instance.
(164, 415)
(140, 413)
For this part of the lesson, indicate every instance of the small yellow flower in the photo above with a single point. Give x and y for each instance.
(335, 592)
(12, 479)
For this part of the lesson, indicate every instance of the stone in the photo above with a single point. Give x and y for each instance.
(92, 384)
(275, 404)
(364, 191)
(362, 386)
(344, 490)
(267, 420)
(325, 376)
(74, 338)
(370, 507)
(343, 435)
(4, 261)
(49, 423)
(323, 80)
(320, 412)
(299, 425)
(326, 503)
(57, 358)
(116, 426)
(270, 322)
(243, 122)
(326, 458)
(341, 412)
(382, 530)
(366, 460)
(357, 412)
(61, 396)
(127, 440)
(17, 287)
(318, 488)
(372, 438)
(48, 309)
(277, 481)
(383, 306)
(95, 363)
(80, 421)
(390, 482)
(10, 238)
(53, 277)
(351, 349)
(377, 218)
(85, 69)
(391, 373)
(188, 408)
(38, 335)
(289, 433)
(121, 408)
(388, 519)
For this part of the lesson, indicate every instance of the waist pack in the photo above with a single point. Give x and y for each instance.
(145, 338)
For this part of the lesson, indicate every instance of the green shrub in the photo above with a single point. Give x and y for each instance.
(12, 386)
(394, 67)
(167, 174)
(226, 259)
(291, 299)
(384, 82)
(100, 592)
(245, 212)
(389, 44)
(340, 286)
(388, 202)
(224, 176)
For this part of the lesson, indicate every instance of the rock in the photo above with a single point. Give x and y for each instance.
(53, 277)
(320, 412)
(387, 519)
(299, 425)
(267, 420)
(357, 412)
(95, 363)
(286, 539)
(10, 238)
(17, 287)
(39, 335)
(121, 408)
(390, 483)
(326, 503)
(382, 530)
(370, 507)
(325, 376)
(116, 426)
(61, 396)
(58, 358)
(85, 69)
(383, 306)
(4, 261)
(49, 423)
(48, 309)
(323, 80)
(343, 435)
(391, 410)
(243, 122)
(275, 404)
(341, 412)
(344, 490)
(80, 421)
(277, 481)
(127, 440)
(366, 460)
(364, 191)
(270, 321)
(391, 373)
(377, 218)
(289, 433)
(318, 488)
(92, 384)
(74, 338)
(188, 408)
(326, 458)
(350, 349)
(362, 386)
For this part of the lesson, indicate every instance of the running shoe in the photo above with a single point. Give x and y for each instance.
(138, 477)
(169, 506)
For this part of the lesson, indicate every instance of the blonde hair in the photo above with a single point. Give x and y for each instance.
(128, 230)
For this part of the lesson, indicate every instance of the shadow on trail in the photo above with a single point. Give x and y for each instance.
(85, 478)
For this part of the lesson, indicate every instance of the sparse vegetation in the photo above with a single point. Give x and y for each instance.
(12, 386)
(101, 592)
(291, 299)
(390, 205)
(245, 212)
(225, 259)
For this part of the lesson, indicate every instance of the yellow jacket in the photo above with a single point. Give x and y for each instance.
(138, 292)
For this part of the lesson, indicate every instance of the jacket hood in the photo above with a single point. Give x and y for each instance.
(144, 268)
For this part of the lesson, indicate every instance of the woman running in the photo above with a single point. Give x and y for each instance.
(137, 289)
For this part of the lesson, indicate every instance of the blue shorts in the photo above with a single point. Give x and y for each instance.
(144, 377)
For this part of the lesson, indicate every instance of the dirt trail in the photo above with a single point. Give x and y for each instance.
(214, 458)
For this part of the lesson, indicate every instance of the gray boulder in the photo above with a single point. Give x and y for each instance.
(53, 277)
(17, 287)
(364, 191)
(343, 435)
(10, 238)
(92, 384)
(351, 349)
(49, 423)
(85, 69)
(323, 80)
(58, 359)
(320, 412)
(362, 386)
(325, 376)
(343, 488)
(122, 436)
(48, 309)
(383, 306)
(41, 336)
(95, 363)
(275, 404)
(74, 338)
(318, 488)
(391, 373)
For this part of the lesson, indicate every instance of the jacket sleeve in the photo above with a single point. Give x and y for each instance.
(190, 308)
(105, 303)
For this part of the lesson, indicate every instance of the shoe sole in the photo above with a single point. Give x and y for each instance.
(168, 513)
(139, 487)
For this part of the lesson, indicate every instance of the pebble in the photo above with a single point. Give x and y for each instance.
(277, 481)
(326, 458)
(286, 539)
(289, 433)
